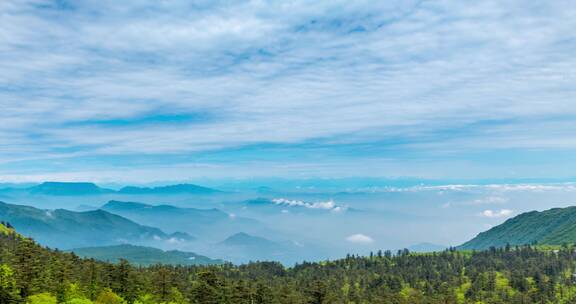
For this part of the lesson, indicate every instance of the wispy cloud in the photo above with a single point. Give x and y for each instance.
(350, 78)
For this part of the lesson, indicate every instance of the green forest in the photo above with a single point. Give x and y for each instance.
(30, 273)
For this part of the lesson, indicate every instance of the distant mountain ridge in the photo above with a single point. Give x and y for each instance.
(144, 256)
(59, 188)
(552, 227)
(68, 229)
(242, 247)
(88, 188)
(171, 189)
(242, 239)
(200, 222)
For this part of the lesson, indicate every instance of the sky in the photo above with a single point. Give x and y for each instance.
(144, 91)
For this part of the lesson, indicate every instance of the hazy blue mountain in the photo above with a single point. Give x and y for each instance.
(199, 222)
(171, 189)
(68, 189)
(182, 236)
(68, 229)
(6, 186)
(242, 239)
(554, 227)
(86, 188)
(426, 247)
(242, 247)
(141, 255)
(84, 207)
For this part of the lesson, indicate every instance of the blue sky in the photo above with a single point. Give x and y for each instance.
(142, 91)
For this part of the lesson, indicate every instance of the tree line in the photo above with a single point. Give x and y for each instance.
(30, 273)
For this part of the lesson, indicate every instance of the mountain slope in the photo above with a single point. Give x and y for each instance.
(554, 227)
(144, 255)
(68, 229)
(200, 222)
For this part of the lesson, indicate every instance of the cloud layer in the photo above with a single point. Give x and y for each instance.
(286, 85)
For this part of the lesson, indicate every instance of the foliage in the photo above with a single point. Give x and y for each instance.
(526, 274)
(79, 301)
(8, 291)
(107, 296)
(42, 298)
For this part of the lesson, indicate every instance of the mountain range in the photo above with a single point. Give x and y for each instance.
(85, 188)
(209, 223)
(57, 188)
(171, 189)
(68, 229)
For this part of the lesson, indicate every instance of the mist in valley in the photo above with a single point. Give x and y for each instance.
(305, 223)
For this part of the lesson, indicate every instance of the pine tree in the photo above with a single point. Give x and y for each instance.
(207, 289)
(27, 267)
(8, 291)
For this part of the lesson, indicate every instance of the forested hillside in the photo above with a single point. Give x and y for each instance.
(551, 227)
(31, 273)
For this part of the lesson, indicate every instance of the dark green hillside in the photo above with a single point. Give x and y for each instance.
(141, 255)
(553, 227)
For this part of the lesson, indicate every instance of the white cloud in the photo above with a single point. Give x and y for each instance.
(497, 213)
(359, 239)
(266, 72)
(327, 205)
